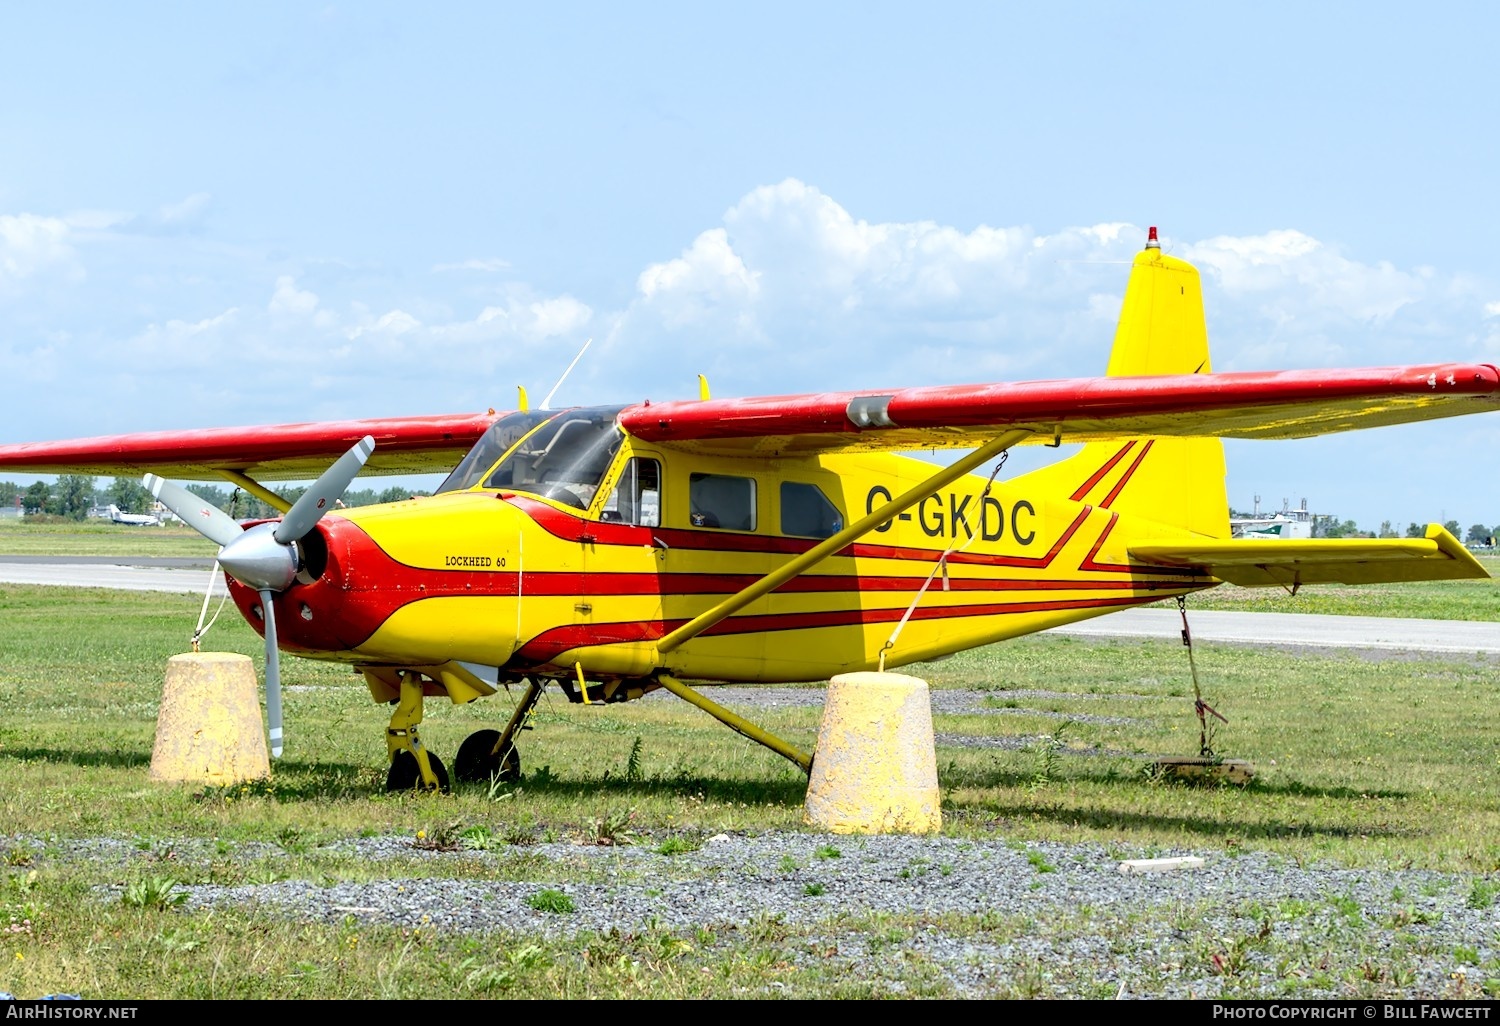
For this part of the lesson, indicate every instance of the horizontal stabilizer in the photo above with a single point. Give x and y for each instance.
(1261, 562)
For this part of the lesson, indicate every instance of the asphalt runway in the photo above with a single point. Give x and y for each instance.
(191, 576)
(1310, 629)
(160, 573)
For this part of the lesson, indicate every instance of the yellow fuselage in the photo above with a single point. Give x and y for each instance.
(514, 581)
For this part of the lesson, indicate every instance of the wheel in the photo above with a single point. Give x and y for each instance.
(475, 763)
(404, 775)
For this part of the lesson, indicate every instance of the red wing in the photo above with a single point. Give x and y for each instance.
(275, 452)
(1260, 404)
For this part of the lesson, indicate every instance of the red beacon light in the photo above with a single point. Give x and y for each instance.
(1152, 242)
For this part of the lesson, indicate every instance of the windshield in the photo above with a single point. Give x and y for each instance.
(565, 459)
(502, 434)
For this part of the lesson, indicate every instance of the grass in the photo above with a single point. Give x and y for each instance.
(1359, 758)
(549, 900)
(99, 538)
(1426, 600)
(1389, 761)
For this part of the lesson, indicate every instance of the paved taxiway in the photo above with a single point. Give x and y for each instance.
(1453, 636)
(190, 576)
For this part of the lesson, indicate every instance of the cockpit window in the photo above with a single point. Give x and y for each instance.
(565, 459)
(502, 434)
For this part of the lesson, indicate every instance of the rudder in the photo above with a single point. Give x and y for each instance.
(1178, 482)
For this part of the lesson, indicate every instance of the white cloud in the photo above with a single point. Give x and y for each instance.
(193, 346)
(29, 243)
(793, 292)
(707, 276)
(96, 220)
(290, 301)
(789, 292)
(1315, 277)
(793, 288)
(188, 210)
(487, 266)
(382, 357)
(815, 248)
(390, 324)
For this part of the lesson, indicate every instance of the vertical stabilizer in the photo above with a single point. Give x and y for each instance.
(1178, 482)
(1162, 330)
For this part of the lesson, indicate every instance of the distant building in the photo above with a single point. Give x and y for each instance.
(1284, 523)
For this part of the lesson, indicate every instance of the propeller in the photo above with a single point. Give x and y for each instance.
(207, 519)
(265, 557)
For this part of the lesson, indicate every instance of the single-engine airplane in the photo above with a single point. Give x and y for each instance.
(616, 550)
(119, 516)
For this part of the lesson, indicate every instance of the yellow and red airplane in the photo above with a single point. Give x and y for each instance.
(617, 550)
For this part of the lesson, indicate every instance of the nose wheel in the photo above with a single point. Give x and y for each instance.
(406, 775)
(412, 765)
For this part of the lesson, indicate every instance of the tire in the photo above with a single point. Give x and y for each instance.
(405, 776)
(475, 763)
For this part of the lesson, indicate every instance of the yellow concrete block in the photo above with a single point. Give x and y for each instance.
(875, 769)
(209, 728)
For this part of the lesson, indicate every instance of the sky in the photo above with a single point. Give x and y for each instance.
(224, 214)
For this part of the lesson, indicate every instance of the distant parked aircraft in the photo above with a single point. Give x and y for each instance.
(139, 519)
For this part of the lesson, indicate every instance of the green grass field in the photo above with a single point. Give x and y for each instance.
(1431, 600)
(1390, 761)
(100, 538)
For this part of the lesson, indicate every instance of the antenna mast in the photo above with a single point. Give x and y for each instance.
(547, 402)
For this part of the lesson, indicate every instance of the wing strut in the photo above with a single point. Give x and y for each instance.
(736, 723)
(829, 546)
(256, 489)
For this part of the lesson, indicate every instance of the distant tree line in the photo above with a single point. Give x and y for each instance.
(1331, 527)
(70, 496)
(73, 495)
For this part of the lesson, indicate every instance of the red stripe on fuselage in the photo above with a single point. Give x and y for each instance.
(1125, 478)
(551, 643)
(363, 585)
(1088, 485)
(1092, 565)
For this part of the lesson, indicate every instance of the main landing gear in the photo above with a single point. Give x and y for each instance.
(484, 756)
(491, 754)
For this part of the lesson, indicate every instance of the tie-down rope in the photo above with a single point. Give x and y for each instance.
(942, 565)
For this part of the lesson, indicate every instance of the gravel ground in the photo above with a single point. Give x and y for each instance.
(979, 917)
(944, 700)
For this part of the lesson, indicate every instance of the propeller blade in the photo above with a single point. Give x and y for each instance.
(203, 516)
(319, 499)
(273, 674)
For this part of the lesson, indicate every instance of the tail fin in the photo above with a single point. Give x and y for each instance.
(1174, 481)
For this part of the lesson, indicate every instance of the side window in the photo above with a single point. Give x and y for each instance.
(637, 498)
(718, 500)
(807, 513)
